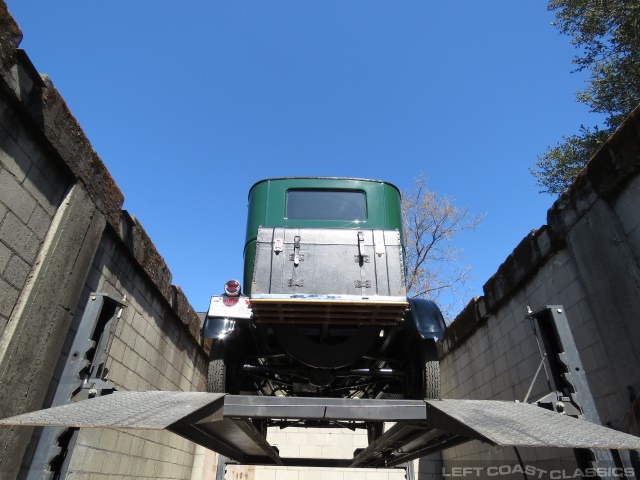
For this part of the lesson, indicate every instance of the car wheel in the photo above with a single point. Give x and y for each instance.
(222, 375)
(423, 370)
(430, 374)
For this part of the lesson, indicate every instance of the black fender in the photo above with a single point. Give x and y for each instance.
(426, 318)
(217, 327)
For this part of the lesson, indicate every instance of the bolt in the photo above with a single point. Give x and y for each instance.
(93, 392)
(559, 310)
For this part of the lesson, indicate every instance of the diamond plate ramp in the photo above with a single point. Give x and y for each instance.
(505, 424)
(138, 410)
(522, 425)
(223, 423)
(197, 416)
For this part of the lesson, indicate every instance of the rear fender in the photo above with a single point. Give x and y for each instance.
(427, 318)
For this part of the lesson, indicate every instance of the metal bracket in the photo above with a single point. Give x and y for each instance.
(364, 258)
(361, 244)
(278, 245)
(292, 257)
(363, 283)
(296, 250)
(558, 403)
(94, 388)
(295, 283)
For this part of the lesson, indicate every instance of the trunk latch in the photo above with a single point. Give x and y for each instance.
(361, 245)
(296, 250)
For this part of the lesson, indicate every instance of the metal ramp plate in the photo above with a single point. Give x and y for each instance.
(223, 423)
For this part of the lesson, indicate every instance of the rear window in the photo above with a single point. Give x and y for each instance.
(318, 204)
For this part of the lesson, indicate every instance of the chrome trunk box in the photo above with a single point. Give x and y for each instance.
(330, 275)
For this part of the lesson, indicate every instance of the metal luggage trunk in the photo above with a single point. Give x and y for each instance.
(297, 262)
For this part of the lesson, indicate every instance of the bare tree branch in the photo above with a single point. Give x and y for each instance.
(434, 262)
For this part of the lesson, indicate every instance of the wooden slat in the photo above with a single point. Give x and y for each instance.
(327, 312)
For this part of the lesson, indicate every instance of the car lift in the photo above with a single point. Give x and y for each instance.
(227, 423)
(223, 423)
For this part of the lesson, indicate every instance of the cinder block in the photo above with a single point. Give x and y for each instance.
(336, 451)
(514, 356)
(288, 474)
(139, 324)
(39, 222)
(108, 439)
(310, 451)
(376, 475)
(150, 467)
(117, 350)
(354, 475)
(319, 474)
(17, 236)
(130, 358)
(152, 334)
(141, 347)
(5, 255)
(572, 294)
(11, 155)
(131, 381)
(44, 193)
(319, 438)
(347, 439)
(16, 272)
(3, 212)
(8, 297)
(15, 197)
(78, 457)
(498, 384)
(586, 335)
(185, 384)
(128, 334)
(93, 462)
(125, 441)
(499, 366)
(266, 473)
(485, 391)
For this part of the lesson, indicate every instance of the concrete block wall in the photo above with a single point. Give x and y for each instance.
(587, 259)
(31, 190)
(151, 350)
(63, 236)
(320, 443)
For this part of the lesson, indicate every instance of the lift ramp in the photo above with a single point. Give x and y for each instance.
(223, 423)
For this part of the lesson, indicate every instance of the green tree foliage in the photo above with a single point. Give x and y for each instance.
(607, 33)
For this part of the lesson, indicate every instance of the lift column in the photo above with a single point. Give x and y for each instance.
(569, 380)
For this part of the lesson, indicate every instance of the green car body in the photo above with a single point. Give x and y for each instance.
(268, 208)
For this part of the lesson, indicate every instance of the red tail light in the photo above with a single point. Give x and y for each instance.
(232, 288)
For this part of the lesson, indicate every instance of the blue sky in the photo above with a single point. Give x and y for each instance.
(190, 103)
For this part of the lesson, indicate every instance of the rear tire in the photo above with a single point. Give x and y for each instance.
(424, 371)
(223, 374)
(430, 362)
